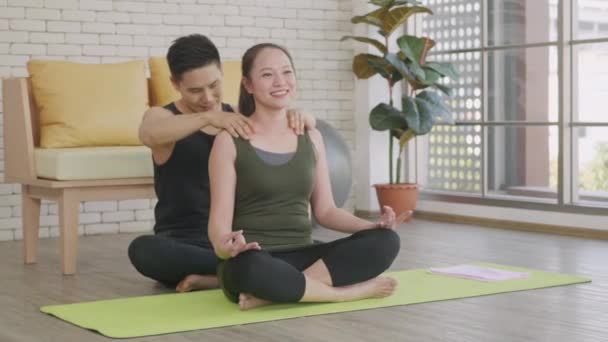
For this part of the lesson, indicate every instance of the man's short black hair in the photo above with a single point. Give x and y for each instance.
(191, 52)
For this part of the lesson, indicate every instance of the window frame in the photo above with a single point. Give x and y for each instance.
(567, 190)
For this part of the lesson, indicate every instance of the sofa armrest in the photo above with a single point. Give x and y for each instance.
(20, 131)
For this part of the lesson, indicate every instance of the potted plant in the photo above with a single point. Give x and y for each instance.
(421, 107)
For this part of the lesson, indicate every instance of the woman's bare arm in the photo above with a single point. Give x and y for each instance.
(222, 180)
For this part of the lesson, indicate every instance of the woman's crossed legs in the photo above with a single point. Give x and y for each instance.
(342, 270)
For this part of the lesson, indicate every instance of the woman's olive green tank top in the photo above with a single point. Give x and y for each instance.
(272, 201)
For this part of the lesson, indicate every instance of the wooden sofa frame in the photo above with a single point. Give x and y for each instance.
(21, 136)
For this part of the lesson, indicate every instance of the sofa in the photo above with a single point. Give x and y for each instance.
(70, 135)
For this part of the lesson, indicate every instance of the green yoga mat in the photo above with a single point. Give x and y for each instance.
(170, 313)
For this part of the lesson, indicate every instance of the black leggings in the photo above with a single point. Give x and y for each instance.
(169, 259)
(277, 276)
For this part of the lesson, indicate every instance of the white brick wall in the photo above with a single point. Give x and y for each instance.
(103, 31)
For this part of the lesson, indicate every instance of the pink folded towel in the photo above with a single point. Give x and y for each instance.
(481, 273)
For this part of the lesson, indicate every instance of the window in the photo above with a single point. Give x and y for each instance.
(530, 105)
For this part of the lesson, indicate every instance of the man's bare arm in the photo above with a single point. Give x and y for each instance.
(160, 127)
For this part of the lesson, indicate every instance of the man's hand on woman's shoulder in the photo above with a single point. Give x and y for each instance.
(300, 121)
(236, 124)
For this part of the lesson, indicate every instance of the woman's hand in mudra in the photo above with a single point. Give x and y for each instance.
(390, 221)
(234, 243)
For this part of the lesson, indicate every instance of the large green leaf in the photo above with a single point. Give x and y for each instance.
(412, 113)
(381, 66)
(415, 48)
(443, 68)
(399, 65)
(384, 117)
(424, 110)
(398, 16)
(373, 18)
(416, 70)
(361, 66)
(378, 45)
(430, 76)
(436, 106)
(427, 116)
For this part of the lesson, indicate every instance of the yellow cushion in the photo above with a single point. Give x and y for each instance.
(82, 163)
(162, 91)
(89, 104)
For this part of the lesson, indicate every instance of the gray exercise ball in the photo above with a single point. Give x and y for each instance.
(338, 162)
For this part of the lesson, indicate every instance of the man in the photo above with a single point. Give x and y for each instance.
(180, 135)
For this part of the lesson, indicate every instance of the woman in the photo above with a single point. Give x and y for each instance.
(259, 221)
(180, 136)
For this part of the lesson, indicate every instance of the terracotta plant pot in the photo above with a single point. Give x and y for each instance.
(401, 197)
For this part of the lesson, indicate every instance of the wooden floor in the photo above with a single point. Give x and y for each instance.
(569, 313)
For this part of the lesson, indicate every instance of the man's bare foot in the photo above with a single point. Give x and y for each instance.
(378, 287)
(247, 301)
(195, 282)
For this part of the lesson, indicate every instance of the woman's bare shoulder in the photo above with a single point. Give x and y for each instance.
(315, 135)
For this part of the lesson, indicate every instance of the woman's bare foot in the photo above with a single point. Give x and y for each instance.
(378, 287)
(195, 282)
(247, 301)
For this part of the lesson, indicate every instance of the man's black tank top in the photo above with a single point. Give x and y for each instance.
(182, 186)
